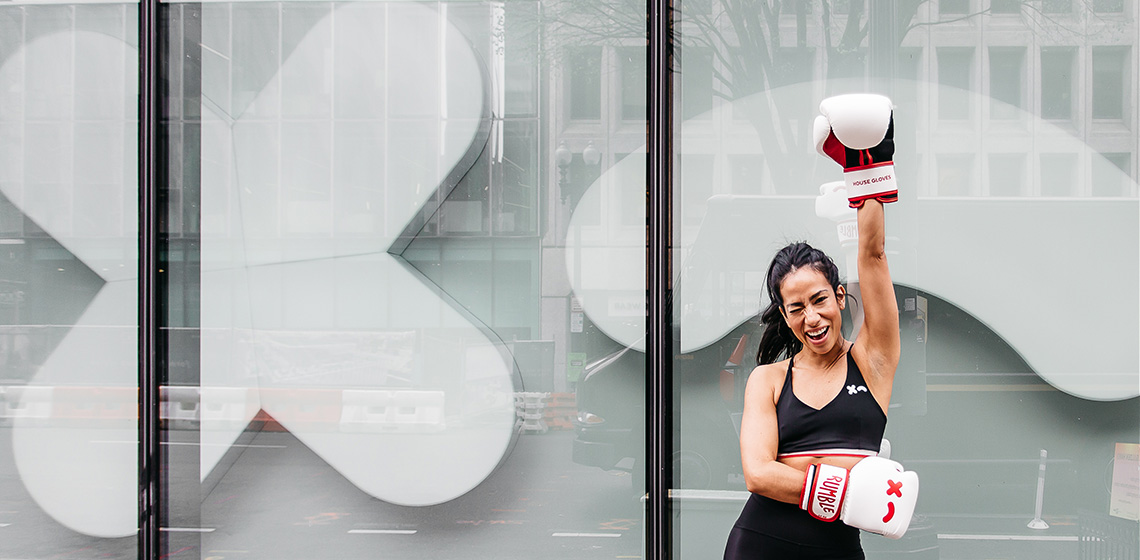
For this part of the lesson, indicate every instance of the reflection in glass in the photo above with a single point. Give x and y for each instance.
(386, 320)
(632, 84)
(68, 262)
(747, 172)
(694, 198)
(585, 86)
(696, 78)
(1108, 6)
(1057, 83)
(1058, 174)
(983, 171)
(1006, 78)
(1057, 6)
(953, 6)
(521, 62)
(1007, 174)
(1110, 175)
(955, 174)
(954, 71)
(516, 179)
(1005, 6)
(1108, 83)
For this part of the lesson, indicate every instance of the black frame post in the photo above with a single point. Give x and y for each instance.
(659, 289)
(148, 536)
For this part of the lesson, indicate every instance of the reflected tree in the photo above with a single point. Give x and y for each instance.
(755, 46)
(761, 46)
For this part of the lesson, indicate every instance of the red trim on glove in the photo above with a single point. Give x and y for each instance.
(868, 166)
(885, 198)
(835, 149)
(809, 479)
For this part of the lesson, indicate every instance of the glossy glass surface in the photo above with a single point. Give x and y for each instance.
(385, 352)
(68, 289)
(403, 270)
(1016, 145)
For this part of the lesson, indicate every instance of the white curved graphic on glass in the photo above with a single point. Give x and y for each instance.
(306, 314)
(74, 432)
(1007, 261)
(76, 449)
(89, 134)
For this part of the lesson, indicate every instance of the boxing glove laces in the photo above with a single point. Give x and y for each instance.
(857, 131)
(876, 495)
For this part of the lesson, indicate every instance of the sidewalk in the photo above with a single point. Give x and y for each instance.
(1003, 537)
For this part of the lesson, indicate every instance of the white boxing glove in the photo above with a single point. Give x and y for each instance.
(876, 495)
(857, 131)
(832, 204)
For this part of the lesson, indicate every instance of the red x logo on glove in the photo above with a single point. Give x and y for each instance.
(895, 488)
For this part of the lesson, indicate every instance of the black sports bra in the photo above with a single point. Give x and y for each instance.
(851, 424)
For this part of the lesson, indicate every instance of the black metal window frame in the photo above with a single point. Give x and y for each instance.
(148, 326)
(659, 324)
(659, 277)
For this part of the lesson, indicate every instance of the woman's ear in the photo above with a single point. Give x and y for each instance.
(841, 296)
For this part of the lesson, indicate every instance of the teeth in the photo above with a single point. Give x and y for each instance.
(816, 334)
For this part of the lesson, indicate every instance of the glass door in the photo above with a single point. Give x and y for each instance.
(396, 323)
(68, 279)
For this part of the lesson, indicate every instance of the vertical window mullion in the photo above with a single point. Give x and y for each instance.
(659, 323)
(148, 545)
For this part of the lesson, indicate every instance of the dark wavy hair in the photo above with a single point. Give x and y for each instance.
(777, 340)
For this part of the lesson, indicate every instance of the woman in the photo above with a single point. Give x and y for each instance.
(825, 403)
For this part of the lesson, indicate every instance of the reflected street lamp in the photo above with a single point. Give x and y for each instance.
(571, 186)
(570, 189)
(591, 155)
(563, 156)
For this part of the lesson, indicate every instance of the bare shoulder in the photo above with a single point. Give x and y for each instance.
(767, 380)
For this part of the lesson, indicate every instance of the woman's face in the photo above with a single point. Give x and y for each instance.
(813, 309)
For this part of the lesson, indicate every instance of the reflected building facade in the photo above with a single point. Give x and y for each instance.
(403, 269)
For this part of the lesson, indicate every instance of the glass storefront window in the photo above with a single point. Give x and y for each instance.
(1015, 155)
(1108, 83)
(386, 353)
(1006, 82)
(68, 289)
(403, 270)
(1057, 83)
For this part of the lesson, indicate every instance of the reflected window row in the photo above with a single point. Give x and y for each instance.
(1059, 71)
(1052, 81)
(1055, 175)
(962, 7)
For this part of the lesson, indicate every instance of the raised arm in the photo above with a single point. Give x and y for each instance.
(857, 131)
(879, 337)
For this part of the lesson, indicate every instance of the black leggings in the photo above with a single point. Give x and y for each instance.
(769, 529)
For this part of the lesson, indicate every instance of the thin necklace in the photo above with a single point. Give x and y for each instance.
(836, 359)
(842, 353)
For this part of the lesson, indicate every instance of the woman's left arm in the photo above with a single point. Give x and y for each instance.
(878, 339)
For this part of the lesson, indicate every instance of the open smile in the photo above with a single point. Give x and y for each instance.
(817, 335)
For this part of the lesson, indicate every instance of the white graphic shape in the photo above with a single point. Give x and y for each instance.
(229, 396)
(393, 387)
(76, 450)
(446, 382)
(973, 252)
(77, 179)
(78, 457)
(354, 352)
